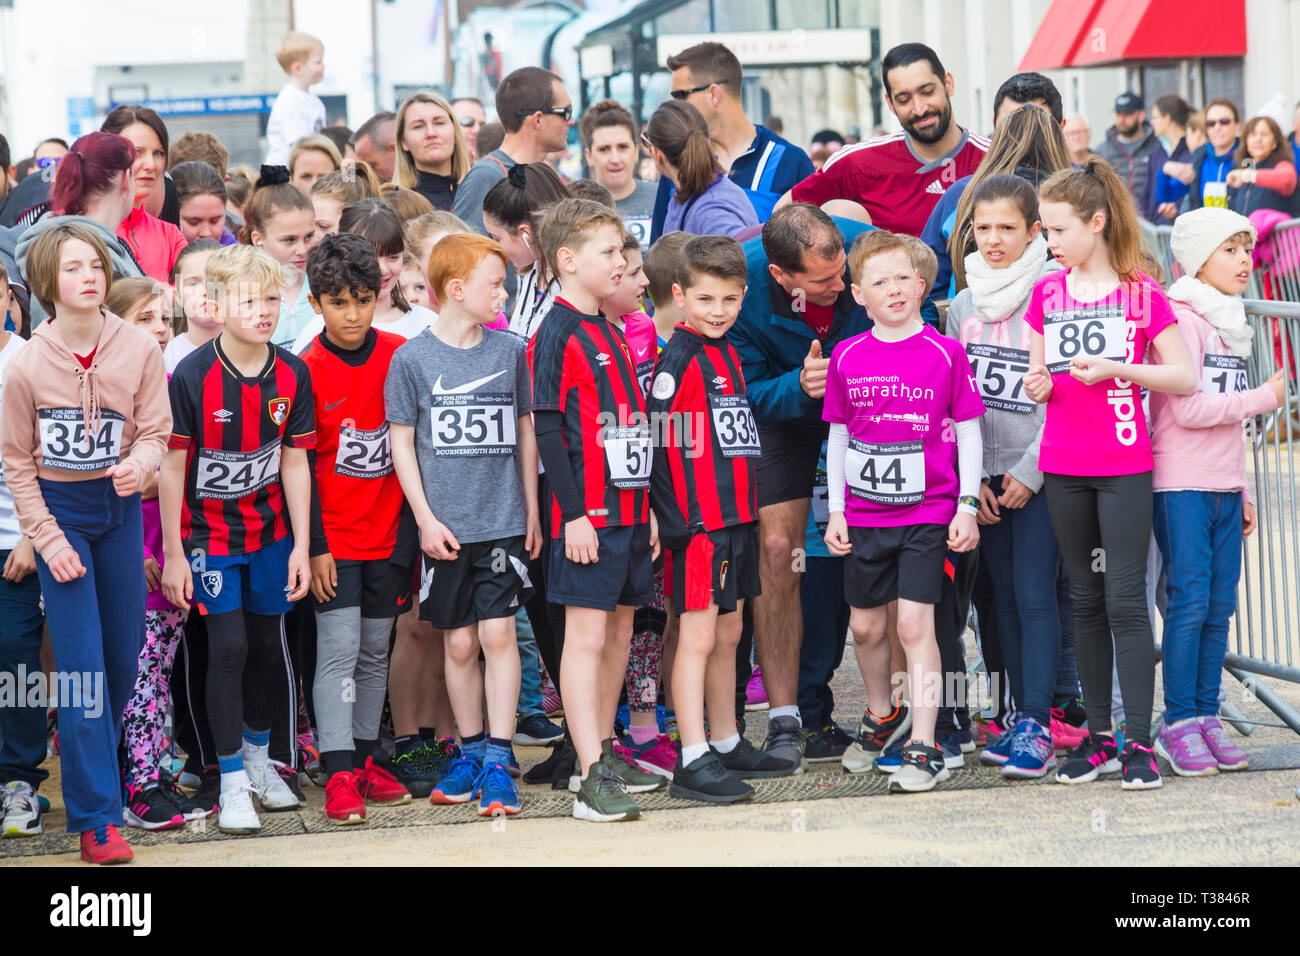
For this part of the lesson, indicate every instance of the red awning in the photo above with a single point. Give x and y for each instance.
(1093, 32)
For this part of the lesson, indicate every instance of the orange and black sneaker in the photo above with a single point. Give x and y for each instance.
(105, 845)
(377, 785)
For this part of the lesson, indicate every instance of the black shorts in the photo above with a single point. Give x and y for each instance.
(717, 567)
(788, 465)
(891, 563)
(623, 575)
(379, 587)
(486, 580)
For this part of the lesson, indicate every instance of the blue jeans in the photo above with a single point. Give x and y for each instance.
(1199, 533)
(1067, 670)
(825, 629)
(1022, 558)
(22, 728)
(530, 675)
(96, 629)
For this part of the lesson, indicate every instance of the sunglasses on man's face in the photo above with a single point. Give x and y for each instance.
(566, 112)
(468, 121)
(682, 94)
(1210, 124)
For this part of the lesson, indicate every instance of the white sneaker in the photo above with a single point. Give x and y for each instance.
(272, 792)
(237, 814)
(22, 810)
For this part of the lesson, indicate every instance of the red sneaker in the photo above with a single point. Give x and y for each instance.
(379, 786)
(343, 803)
(105, 845)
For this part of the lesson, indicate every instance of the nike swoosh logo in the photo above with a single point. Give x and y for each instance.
(329, 407)
(468, 387)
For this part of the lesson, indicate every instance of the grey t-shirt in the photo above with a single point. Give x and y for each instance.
(482, 176)
(465, 405)
(637, 210)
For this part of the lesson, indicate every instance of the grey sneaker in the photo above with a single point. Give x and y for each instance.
(785, 741)
(632, 777)
(923, 767)
(602, 799)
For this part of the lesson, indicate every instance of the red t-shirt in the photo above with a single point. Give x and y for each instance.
(820, 318)
(884, 175)
(85, 360)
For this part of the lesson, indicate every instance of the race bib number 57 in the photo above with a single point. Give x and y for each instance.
(65, 443)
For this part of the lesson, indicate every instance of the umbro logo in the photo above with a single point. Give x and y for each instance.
(720, 382)
(223, 415)
(935, 187)
(602, 358)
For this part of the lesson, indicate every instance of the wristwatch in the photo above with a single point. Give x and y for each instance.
(969, 500)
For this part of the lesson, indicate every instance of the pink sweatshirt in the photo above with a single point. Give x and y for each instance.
(155, 243)
(1198, 441)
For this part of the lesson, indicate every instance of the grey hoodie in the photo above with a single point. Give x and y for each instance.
(124, 264)
(1131, 160)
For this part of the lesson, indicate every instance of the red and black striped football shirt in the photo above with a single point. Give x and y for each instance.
(233, 428)
(583, 368)
(703, 476)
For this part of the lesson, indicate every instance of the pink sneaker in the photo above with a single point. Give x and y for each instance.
(1065, 736)
(1228, 755)
(1182, 745)
(552, 705)
(987, 731)
(659, 756)
(755, 692)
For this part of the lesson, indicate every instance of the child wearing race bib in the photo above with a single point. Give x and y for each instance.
(1017, 543)
(458, 399)
(1091, 326)
(595, 444)
(1202, 501)
(279, 219)
(85, 421)
(359, 584)
(903, 444)
(235, 480)
(191, 325)
(512, 215)
(705, 495)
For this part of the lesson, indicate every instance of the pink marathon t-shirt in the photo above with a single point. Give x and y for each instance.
(899, 402)
(1096, 429)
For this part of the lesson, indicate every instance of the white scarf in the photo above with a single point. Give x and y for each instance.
(997, 293)
(1227, 313)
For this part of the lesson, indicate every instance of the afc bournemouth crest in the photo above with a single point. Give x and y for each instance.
(211, 583)
(278, 409)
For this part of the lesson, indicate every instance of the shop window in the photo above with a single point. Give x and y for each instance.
(803, 14)
(1222, 78)
(741, 16)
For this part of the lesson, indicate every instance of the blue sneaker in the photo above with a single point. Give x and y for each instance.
(998, 752)
(890, 760)
(952, 755)
(457, 783)
(537, 731)
(965, 740)
(497, 792)
(1032, 754)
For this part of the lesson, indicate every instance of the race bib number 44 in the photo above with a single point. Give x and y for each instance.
(999, 374)
(1221, 374)
(627, 454)
(364, 454)
(733, 424)
(66, 444)
(228, 475)
(1084, 334)
(888, 474)
(473, 424)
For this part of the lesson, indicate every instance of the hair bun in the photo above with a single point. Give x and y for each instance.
(517, 176)
(272, 175)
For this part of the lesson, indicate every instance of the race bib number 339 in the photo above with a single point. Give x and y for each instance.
(473, 424)
(733, 423)
(66, 444)
(1090, 333)
(888, 474)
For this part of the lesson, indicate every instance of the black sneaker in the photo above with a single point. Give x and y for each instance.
(747, 761)
(190, 808)
(826, 745)
(1075, 714)
(150, 809)
(923, 767)
(784, 742)
(1140, 770)
(1088, 761)
(706, 779)
(415, 769)
(875, 736)
(208, 793)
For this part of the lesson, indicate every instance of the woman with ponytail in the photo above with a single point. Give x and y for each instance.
(95, 187)
(154, 242)
(279, 218)
(705, 201)
(1091, 327)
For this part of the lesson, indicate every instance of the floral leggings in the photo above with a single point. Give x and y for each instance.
(146, 711)
(646, 657)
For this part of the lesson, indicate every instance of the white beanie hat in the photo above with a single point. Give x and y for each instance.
(1198, 233)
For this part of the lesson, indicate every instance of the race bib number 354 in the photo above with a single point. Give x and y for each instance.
(888, 474)
(1089, 333)
(65, 443)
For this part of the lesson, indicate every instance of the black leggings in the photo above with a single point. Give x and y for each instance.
(246, 667)
(547, 619)
(1103, 525)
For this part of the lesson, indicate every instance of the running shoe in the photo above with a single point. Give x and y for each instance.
(378, 786)
(22, 810)
(537, 731)
(998, 752)
(657, 756)
(150, 809)
(784, 742)
(987, 731)
(457, 784)
(1183, 746)
(291, 779)
(444, 752)
(208, 793)
(343, 801)
(602, 799)
(1065, 735)
(1075, 714)
(1031, 751)
(497, 792)
(416, 769)
(875, 735)
(632, 778)
(965, 740)
(890, 760)
(826, 744)
(105, 845)
(552, 704)
(706, 779)
(1092, 758)
(309, 761)
(950, 747)
(558, 763)
(668, 724)
(749, 763)
(512, 763)
(1229, 756)
(272, 789)
(923, 767)
(755, 692)
(237, 814)
(191, 808)
(1140, 770)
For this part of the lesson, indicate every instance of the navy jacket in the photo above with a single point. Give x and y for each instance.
(1209, 167)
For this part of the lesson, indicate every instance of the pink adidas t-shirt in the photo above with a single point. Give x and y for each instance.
(1096, 429)
(899, 402)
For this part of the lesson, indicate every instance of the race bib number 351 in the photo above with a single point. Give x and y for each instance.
(473, 424)
(364, 454)
(65, 443)
(236, 474)
(1089, 333)
(889, 474)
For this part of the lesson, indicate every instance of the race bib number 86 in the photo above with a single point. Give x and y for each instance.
(1084, 334)
(65, 443)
